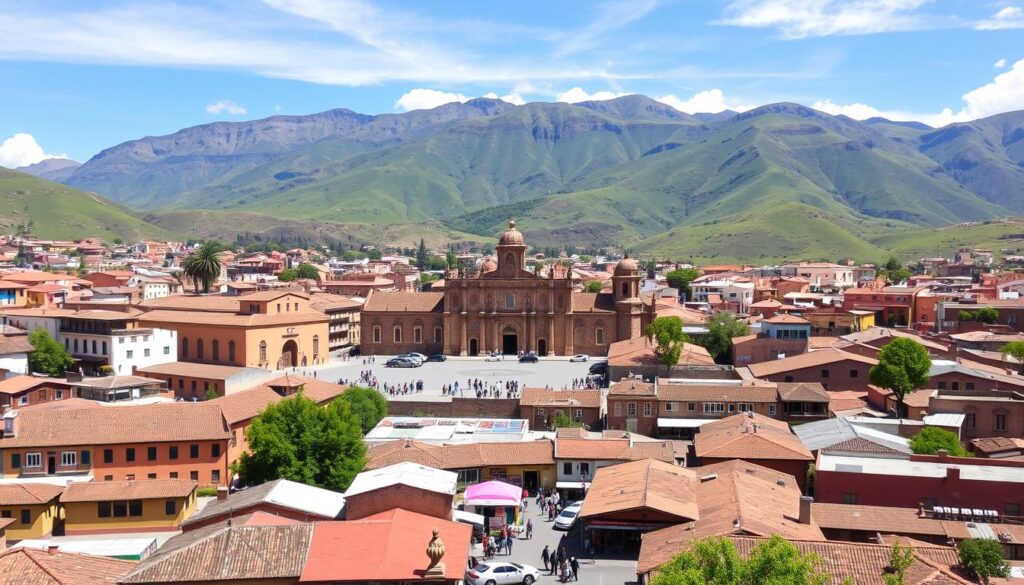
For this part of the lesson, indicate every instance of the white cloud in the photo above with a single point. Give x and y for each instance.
(1007, 18)
(578, 94)
(999, 64)
(610, 15)
(711, 101)
(225, 107)
(425, 99)
(22, 150)
(796, 19)
(512, 98)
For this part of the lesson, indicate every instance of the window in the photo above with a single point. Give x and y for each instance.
(129, 354)
(849, 498)
(567, 468)
(173, 475)
(150, 476)
(647, 409)
(33, 460)
(585, 468)
(108, 478)
(145, 352)
(94, 352)
(1000, 422)
(103, 509)
(617, 408)
(199, 349)
(942, 385)
(172, 452)
(278, 307)
(631, 409)
(193, 451)
(167, 350)
(215, 347)
(76, 346)
(437, 334)
(69, 458)
(625, 289)
(788, 379)
(669, 406)
(22, 400)
(129, 454)
(579, 414)
(184, 347)
(193, 387)
(135, 507)
(510, 300)
(15, 460)
(170, 507)
(714, 407)
(969, 386)
(26, 517)
(745, 407)
(854, 373)
(193, 475)
(5, 513)
(215, 450)
(971, 420)
(398, 334)
(104, 344)
(231, 351)
(263, 352)
(1011, 509)
(771, 410)
(469, 476)
(732, 407)
(215, 476)
(151, 453)
(599, 336)
(956, 385)
(824, 373)
(58, 395)
(691, 406)
(120, 509)
(376, 333)
(417, 335)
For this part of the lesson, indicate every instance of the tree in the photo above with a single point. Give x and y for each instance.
(902, 558)
(1015, 349)
(48, 357)
(666, 334)
(982, 558)
(299, 440)
(594, 286)
(893, 271)
(203, 265)
(451, 259)
(564, 421)
(307, 270)
(288, 275)
(903, 366)
(211, 392)
(716, 560)
(986, 315)
(681, 279)
(421, 255)
(721, 329)
(930, 439)
(369, 406)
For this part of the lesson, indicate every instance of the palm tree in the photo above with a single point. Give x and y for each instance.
(203, 264)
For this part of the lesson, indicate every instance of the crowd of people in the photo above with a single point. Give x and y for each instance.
(482, 389)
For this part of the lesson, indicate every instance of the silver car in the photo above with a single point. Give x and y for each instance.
(490, 573)
(566, 519)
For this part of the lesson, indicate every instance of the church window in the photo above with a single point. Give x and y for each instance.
(417, 335)
(510, 300)
(599, 336)
(398, 334)
(437, 334)
(625, 289)
(376, 333)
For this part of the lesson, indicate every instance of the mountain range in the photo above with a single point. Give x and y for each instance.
(780, 180)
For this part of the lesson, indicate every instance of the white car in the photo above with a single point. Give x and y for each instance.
(499, 573)
(493, 357)
(420, 356)
(580, 357)
(567, 518)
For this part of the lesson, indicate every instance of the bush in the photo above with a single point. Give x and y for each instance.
(206, 492)
(931, 439)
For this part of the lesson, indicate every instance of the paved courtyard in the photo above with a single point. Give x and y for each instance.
(553, 372)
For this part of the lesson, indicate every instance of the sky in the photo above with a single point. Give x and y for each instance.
(80, 76)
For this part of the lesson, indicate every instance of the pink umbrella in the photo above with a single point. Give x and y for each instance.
(493, 493)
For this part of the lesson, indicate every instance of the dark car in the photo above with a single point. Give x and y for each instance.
(599, 368)
(529, 359)
(438, 357)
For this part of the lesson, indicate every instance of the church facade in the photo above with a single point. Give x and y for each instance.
(507, 308)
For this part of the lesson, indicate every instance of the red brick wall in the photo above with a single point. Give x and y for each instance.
(457, 407)
(619, 419)
(163, 466)
(839, 377)
(398, 496)
(984, 415)
(591, 416)
(962, 381)
(407, 322)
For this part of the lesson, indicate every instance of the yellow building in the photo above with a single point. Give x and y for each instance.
(108, 507)
(833, 321)
(31, 507)
(273, 330)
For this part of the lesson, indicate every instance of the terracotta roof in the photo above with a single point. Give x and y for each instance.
(34, 276)
(101, 315)
(26, 494)
(803, 392)
(646, 483)
(462, 455)
(143, 489)
(227, 553)
(822, 342)
(847, 400)
(717, 392)
(885, 334)
(15, 344)
(632, 388)
(155, 318)
(592, 302)
(209, 371)
(568, 398)
(415, 302)
(875, 519)
(765, 304)
(319, 391)
(735, 437)
(385, 547)
(997, 444)
(614, 449)
(206, 303)
(152, 423)
(270, 295)
(18, 384)
(242, 406)
(787, 319)
(638, 351)
(728, 491)
(29, 566)
(325, 302)
(806, 360)
(48, 288)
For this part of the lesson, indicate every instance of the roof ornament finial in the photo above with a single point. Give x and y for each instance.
(511, 224)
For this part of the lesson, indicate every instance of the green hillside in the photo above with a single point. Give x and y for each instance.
(61, 212)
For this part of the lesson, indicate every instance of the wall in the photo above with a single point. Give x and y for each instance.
(276, 337)
(30, 324)
(399, 496)
(541, 416)
(839, 375)
(618, 419)
(513, 474)
(407, 322)
(163, 466)
(457, 407)
(83, 517)
(764, 349)
(959, 381)
(984, 412)
(16, 363)
(43, 517)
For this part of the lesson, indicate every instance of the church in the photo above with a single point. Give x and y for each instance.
(509, 308)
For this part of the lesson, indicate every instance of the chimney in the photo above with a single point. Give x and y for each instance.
(408, 442)
(222, 493)
(10, 424)
(805, 509)
(953, 473)
(943, 454)
(52, 549)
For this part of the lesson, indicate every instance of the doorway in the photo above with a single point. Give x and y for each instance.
(531, 481)
(509, 344)
(289, 355)
(51, 464)
(542, 347)
(473, 349)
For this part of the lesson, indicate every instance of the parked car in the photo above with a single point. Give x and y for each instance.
(437, 357)
(402, 362)
(529, 359)
(599, 368)
(412, 356)
(419, 356)
(567, 518)
(580, 357)
(491, 573)
(493, 357)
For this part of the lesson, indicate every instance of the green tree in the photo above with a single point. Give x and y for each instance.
(451, 259)
(421, 255)
(1015, 349)
(211, 392)
(288, 275)
(203, 265)
(307, 270)
(930, 439)
(721, 329)
(299, 440)
(982, 558)
(893, 272)
(681, 279)
(986, 315)
(903, 366)
(594, 286)
(367, 404)
(902, 558)
(716, 560)
(118, 241)
(667, 337)
(48, 357)
(966, 316)
(562, 420)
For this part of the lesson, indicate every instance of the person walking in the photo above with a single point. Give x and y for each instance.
(508, 543)
(554, 562)
(574, 567)
(529, 528)
(563, 570)
(544, 557)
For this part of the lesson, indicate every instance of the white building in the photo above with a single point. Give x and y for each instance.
(731, 289)
(112, 338)
(822, 274)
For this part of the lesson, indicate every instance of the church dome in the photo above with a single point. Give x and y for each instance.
(512, 237)
(627, 267)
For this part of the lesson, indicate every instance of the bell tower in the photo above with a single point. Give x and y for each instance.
(511, 252)
(626, 291)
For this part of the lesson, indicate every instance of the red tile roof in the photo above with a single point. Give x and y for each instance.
(462, 455)
(245, 405)
(143, 489)
(736, 437)
(632, 388)
(27, 494)
(639, 351)
(417, 302)
(28, 566)
(806, 360)
(646, 483)
(567, 398)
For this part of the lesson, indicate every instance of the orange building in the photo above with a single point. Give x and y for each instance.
(273, 329)
(157, 441)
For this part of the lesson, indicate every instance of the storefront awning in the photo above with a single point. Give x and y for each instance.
(683, 423)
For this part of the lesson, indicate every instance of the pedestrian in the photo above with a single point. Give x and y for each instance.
(574, 566)
(508, 544)
(563, 570)
(529, 528)
(544, 557)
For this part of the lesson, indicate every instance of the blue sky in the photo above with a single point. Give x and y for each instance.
(81, 76)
